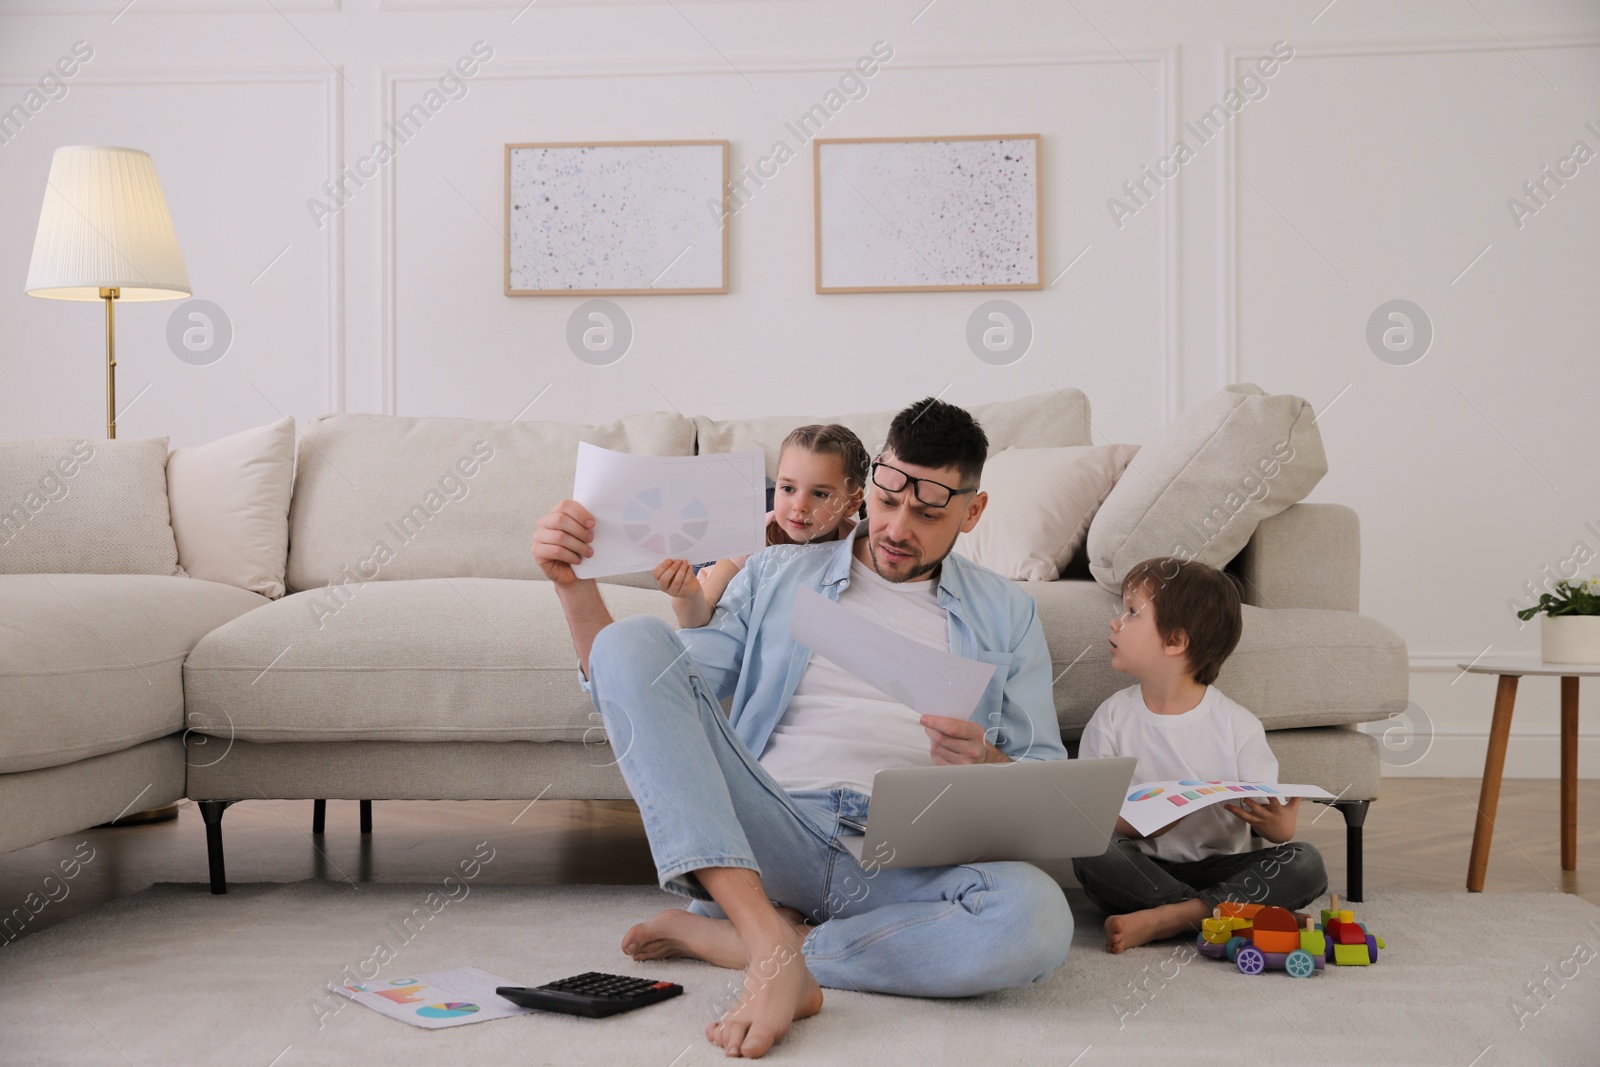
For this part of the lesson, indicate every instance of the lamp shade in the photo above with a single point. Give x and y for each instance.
(105, 224)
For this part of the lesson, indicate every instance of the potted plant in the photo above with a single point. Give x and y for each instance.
(1570, 629)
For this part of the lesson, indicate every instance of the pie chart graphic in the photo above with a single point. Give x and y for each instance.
(450, 1009)
(664, 521)
(1146, 794)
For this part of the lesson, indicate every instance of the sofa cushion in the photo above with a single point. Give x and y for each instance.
(1294, 667)
(450, 659)
(92, 663)
(384, 497)
(75, 506)
(1044, 420)
(53, 801)
(1040, 503)
(230, 507)
(1199, 487)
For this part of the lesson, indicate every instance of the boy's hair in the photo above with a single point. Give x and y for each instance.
(833, 440)
(931, 433)
(1201, 601)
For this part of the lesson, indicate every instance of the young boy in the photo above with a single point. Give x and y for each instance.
(1180, 621)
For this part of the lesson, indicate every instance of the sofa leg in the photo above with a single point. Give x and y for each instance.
(319, 816)
(1355, 813)
(211, 811)
(366, 816)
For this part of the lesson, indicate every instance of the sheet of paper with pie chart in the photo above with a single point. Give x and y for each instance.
(650, 508)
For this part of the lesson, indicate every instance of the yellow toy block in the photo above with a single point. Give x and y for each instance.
(1314, 942)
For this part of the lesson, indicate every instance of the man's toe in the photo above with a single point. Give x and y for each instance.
(757, 1041)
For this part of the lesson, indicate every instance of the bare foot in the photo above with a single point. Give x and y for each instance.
(1152, 924)
(778, 989)
(676, 932)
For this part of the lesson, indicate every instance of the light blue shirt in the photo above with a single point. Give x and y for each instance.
(746, 651)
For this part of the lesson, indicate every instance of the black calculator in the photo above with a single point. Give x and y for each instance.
(591, 993)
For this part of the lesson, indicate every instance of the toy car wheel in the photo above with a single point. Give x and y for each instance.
(1299, 964)
(1372, 948)
(1250, 960)
(1231, 949)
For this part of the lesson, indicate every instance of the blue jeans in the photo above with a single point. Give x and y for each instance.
(706, 802)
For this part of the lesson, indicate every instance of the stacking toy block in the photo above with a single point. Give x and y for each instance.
(1351, 955)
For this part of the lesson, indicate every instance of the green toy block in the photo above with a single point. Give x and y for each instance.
(1351, 955)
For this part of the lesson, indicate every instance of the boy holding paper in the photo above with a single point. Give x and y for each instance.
(1180, 621)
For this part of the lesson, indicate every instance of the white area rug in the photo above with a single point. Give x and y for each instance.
(174, 975)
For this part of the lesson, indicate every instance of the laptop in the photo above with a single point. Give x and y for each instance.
(1032, 810)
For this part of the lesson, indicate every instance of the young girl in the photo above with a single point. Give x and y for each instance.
(822, 476)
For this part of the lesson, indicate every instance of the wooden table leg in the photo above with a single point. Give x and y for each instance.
(1494, 765)
(1569, 772)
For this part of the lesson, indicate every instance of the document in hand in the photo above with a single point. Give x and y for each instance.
(1152, 805)
(928, 680)
(650, 508)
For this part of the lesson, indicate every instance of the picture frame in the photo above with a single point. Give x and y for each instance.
(884, 206)
(643, 217)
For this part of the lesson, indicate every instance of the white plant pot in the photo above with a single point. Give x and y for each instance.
(1569, 638)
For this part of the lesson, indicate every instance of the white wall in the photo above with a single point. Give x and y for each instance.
(1377, 166)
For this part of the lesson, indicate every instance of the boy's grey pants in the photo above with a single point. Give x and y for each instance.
(1124, 879)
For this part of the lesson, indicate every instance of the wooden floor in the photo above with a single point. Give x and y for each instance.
(1418, 838)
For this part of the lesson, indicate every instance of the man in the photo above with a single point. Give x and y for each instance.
(750, 811)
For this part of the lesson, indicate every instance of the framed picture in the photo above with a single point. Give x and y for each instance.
(616, 217)
(906, 214)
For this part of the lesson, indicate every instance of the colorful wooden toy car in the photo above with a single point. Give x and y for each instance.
(1256, 938)
(1349, 943)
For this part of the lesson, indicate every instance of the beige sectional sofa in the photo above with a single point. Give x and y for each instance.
(418, 654)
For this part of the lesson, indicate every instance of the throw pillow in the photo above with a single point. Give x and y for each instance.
(1198, 489)
(75, 506)
(230, 507)
(1041, 501)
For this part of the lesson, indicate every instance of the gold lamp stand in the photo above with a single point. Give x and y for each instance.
(109, 295)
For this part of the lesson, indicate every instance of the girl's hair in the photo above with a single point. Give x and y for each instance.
(835, 440)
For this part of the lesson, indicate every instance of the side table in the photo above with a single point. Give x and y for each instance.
(1511, 668)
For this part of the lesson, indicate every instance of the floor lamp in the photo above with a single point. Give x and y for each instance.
(105, 234)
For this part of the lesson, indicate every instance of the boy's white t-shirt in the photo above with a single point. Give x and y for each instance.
(837, 729)
(1216, 739)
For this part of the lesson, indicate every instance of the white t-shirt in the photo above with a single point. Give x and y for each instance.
(837, 729)
(1216, 739)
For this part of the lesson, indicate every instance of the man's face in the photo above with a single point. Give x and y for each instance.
(906, 539)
